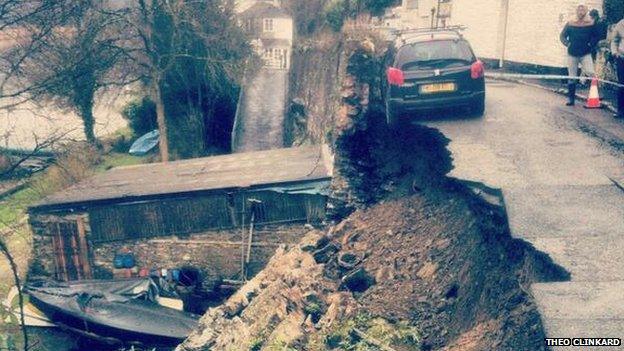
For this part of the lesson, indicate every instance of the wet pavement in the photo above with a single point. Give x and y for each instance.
(260, 116)
(555, 165)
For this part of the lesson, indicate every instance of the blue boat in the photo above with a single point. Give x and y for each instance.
(145, 143)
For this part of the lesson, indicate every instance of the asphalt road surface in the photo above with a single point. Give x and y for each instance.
(261, 112)
(556, 179)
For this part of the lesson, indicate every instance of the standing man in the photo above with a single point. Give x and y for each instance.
(579, 36)
(601, 28)
(617, 50)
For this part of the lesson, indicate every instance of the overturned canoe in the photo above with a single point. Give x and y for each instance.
(145, 143)
(114, 316)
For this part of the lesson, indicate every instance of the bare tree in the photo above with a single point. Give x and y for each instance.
(24, 26)
(152, 64)
(16, 279)
(188, 44)
(9, 167)
(90, 45)
(77, 60)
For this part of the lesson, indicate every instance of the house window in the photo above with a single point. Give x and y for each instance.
(411, 4)
(268, 25)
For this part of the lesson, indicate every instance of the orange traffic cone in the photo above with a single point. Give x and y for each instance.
(593, 100)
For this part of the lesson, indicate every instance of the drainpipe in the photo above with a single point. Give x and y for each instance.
(505, 19)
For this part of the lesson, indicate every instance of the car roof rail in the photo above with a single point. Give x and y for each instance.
(456, 28)
(402, 34)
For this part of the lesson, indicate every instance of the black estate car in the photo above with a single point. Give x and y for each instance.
(433, 69)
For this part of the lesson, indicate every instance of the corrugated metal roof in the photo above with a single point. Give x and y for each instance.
(210, 173)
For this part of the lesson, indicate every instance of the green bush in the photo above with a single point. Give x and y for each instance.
(614, 10)
(141, 115)
(377, 7)
(335, 14)
(338, 10)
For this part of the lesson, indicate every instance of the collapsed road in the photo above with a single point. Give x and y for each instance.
(557, 184)
(413, 258)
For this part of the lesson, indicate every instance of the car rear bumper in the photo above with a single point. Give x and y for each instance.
(434, 103)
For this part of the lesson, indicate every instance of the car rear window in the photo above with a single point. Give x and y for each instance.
(437, 53)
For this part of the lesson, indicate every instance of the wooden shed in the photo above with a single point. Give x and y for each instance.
(198, 206)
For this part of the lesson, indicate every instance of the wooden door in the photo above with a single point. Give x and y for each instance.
(71, 250)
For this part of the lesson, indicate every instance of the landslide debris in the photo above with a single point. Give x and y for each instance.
(414, 261)
(441, 273)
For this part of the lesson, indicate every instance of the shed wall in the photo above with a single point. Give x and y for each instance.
(200, 213)
(217, 253)
(204, 231)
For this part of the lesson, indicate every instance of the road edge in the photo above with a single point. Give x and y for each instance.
(586, 126)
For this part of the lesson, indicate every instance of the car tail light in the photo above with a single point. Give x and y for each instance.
(395, 76)
(477, 70)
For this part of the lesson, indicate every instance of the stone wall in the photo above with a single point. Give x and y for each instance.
(314, 94)
(216, 253)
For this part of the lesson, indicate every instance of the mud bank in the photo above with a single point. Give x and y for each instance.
(414, 261)
(440, 263)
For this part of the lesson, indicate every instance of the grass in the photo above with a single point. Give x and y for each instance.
(118, 160)
(14, 208)
(399, 336)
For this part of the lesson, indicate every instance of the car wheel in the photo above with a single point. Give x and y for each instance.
(392, 117)
(478, 106)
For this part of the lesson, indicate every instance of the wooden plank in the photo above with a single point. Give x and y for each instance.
(61, 244)
(75, 255)
(214, 242)
(84, 248)
(196, 215)
(55, 248)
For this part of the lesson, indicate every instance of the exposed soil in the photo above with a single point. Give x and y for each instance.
(442, 257)
(425, 252)
(415, 261)
(446, 263)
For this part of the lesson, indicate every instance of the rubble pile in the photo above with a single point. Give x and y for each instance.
(438, 262)
(283, 304)
(414, 261)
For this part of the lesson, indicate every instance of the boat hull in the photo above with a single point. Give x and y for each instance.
(114, 317)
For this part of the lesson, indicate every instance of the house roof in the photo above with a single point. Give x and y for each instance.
(264, 10)
(243, 170)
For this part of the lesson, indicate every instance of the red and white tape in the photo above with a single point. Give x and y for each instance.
(495, 75)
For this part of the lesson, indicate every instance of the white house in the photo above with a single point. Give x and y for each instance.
(416, 14)
(523, 31)
(272, 31)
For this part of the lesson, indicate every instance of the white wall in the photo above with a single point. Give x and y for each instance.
(282, 29)
(481, 17)
(532, 33)
(416, 18)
